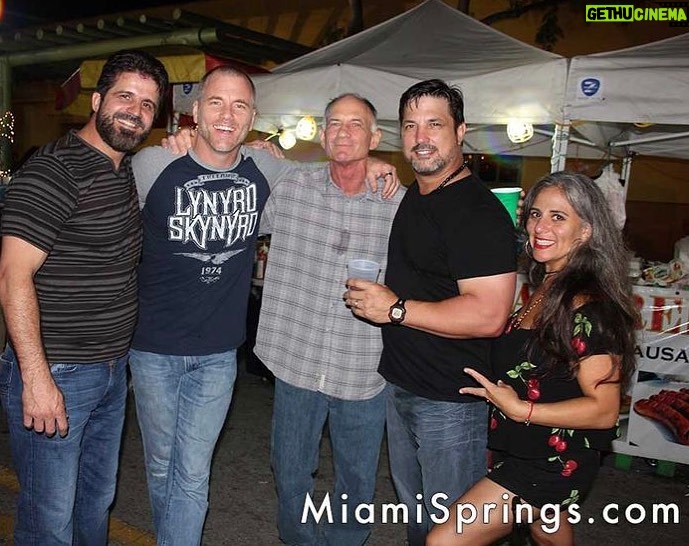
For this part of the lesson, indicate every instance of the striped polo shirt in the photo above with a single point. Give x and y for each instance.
(70, 202)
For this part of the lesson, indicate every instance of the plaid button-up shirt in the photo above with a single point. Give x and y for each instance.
(306, 335)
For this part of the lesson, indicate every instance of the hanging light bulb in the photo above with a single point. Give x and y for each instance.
(519, 131)
(306, 128)
(287, 139)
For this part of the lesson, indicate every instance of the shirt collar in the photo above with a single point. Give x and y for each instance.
(366, 195)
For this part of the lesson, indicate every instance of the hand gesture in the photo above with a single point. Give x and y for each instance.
(500, 394)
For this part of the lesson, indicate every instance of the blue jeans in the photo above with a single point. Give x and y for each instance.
(181, 406)
(356, 432)
(67, 484)
(435, 447)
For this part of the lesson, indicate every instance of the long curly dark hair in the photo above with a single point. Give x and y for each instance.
(596, 270)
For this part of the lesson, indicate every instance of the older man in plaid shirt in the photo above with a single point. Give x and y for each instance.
(325, 359)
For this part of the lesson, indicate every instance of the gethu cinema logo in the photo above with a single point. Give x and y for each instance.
(673, 12)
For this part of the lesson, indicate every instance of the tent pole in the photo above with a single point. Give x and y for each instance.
(626, 171)
(173, 122)
(560, 141)
(645, 140)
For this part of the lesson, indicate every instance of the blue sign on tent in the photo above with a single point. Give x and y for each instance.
(590, 86)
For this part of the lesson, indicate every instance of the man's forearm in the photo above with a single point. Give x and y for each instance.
(480, 310)
(22, 320)
(459, 318)
(42, 401)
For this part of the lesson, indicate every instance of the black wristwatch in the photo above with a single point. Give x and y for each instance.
(397, 312)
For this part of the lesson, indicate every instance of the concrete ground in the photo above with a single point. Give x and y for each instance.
(242, 498)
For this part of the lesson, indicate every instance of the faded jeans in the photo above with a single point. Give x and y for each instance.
(435, 447)
(356, 433)
(181, 406)
(67, 484)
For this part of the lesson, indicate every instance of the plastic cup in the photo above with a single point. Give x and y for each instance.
(509, 197)
(363, 269)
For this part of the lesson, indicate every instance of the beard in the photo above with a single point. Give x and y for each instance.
(118, 138)
(435, 164)
(426, 166)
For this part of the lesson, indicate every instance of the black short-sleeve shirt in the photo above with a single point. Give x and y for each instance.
(459, 232)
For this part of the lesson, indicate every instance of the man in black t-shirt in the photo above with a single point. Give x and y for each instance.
(71, 240)
(449, 286)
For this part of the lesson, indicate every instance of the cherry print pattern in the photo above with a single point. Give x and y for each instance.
(561, 447)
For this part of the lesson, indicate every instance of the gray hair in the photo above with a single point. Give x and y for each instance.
(596, 269)
(367, 103)
(605, 245)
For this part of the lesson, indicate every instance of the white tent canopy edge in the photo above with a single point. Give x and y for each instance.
(501, 78)
(633, 99)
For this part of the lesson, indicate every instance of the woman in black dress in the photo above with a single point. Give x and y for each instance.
(558, 369)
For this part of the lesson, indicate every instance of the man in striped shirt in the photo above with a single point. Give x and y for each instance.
(71, 240)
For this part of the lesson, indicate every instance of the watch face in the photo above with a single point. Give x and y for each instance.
(397, 312)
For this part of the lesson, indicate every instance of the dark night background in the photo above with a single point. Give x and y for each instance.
(22, 13)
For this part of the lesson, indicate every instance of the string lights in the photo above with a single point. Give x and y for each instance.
(6, 132)
(7, 126)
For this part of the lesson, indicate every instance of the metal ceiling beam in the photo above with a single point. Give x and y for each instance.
(235, 45)
(288, 49)
(111, 28)
(68, 43)
(195, 37)
(189, 37)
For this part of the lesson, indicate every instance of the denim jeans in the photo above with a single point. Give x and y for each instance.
(356, 432)
(435, 447)
(67, 484)
(181, 406)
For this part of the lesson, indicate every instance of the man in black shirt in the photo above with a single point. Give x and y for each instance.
(449, 285)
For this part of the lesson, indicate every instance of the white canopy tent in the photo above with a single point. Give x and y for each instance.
(501, 78)
(634, 99)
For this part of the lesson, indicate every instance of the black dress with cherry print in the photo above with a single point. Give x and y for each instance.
(545, 464)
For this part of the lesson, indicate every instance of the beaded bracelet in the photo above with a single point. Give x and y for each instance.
(527, 421)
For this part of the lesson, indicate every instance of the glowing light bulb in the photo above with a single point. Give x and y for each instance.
(306, 128)
(287, 139)
(519, 131)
